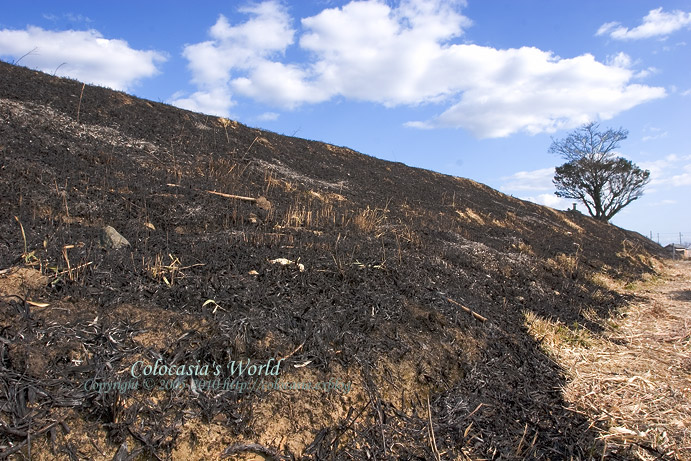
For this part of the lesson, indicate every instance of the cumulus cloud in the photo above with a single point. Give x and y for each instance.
(369, 51)
(527, 185)
(550, 200)
(624, 61)
(620, 59)
(215, 101)
(84, 55)
(529, 180)
(406, 54)
(656, 23)
(671, 171)
(531, 90)
(236, 54)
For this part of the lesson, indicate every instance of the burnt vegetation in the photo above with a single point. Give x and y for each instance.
(375, 258)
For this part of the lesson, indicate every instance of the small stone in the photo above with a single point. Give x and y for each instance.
(111, 239)
(263, 203)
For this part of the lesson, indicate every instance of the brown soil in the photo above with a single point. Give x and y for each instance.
(411, 287)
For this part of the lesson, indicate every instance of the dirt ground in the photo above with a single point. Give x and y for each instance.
(636, 377)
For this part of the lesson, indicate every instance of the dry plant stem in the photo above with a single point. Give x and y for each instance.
(350, 424)
(81, 266)
(222, 194)
(470, 311)
(520, 444)
(248, 149)
(432, 439)
(64, 200)
(67, 260)
(294, 351)
(225, 122)
(236, 197)
(79, 106)
(24, 56)
(23, 234)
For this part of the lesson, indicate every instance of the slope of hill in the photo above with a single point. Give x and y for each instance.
(405, 290)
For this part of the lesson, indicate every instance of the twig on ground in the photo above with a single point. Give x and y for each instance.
(470, 311)
(237, 197)
(432, 439)
(294, 351)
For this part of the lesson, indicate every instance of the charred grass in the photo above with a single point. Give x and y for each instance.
(247, 244)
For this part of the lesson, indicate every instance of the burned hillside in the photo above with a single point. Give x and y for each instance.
(410, 285)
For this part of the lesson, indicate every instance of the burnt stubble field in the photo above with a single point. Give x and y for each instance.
(411, 286)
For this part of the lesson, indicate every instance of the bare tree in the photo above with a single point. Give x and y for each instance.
(594, 174)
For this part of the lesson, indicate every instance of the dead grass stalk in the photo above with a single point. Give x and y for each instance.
(635, 379)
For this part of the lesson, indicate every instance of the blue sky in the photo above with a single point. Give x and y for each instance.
(474, 88)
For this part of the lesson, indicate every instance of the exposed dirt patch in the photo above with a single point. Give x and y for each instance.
(19, 282)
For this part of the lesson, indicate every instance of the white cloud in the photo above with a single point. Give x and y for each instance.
(279, 84)
(71, 17)
(406, 55)
(665, 202)
(369, 51)
(529, 180)
(83, 55)
(607, 28)
(641, 74)
(268, 116)
(683, 176)
(652, 137)
(527, 185)
(672, 171)
(551, 200)
(624, 61)
(620, 59)
(419, 125)
(244, 48)
(215, 101)
(531, 90)
(653, 133)
(656, 23)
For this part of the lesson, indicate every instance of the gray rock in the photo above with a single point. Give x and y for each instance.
(111, 239)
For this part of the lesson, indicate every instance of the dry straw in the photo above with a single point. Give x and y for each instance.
(634, 381)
